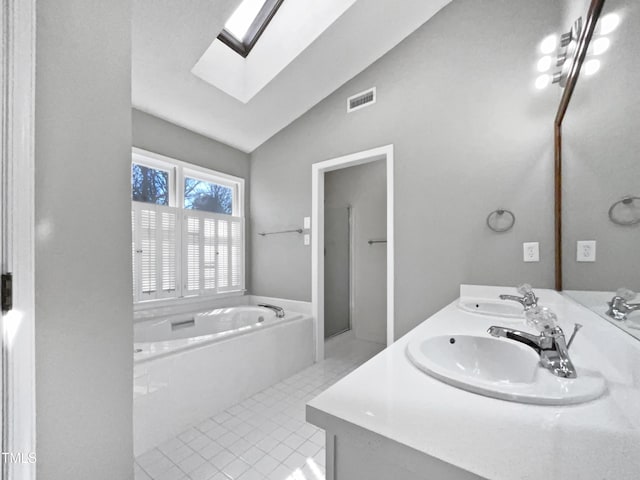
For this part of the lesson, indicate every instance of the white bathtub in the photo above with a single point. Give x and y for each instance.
(189, 367)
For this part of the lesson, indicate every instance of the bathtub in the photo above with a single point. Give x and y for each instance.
(192, 366)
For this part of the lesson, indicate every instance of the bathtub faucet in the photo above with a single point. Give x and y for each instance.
(279, 310)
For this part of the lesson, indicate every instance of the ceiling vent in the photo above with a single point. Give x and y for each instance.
(361, 100)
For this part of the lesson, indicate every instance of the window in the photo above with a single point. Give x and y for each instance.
(248, 22)
(149, 185)
(208, 195)
(188, 229)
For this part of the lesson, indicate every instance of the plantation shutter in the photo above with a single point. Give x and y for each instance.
(237, 253)
(134, 261)
(213, 253)
(223, 255)
(147, 253)
(169, 255)
(230, 254)
(192, 253)
(155, 247)
(181, 253)
(209, 265)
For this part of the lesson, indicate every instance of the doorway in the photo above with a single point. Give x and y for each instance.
(319, 286)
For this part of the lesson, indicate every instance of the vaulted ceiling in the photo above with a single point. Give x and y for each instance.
(182, 74)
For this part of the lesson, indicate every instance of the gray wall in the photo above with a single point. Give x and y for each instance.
(601, 165)
(84, 328)
(159, 136)
(471, 134)
(364, 189)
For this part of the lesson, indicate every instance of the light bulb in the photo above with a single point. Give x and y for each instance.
(543, 81)
(591, 67)
(549, 44)
(601, 45)
(609, 23)
(544, 64)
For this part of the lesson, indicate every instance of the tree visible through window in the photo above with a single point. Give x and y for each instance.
(208, 196)
(149, 185)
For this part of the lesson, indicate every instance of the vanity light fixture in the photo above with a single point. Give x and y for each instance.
(567, 50)
(544, 64)
(591, 66)
(564, 48)
(609, 23)
(549, 44)
(543, 81)
(600, 46)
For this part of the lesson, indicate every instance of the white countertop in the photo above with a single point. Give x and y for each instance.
(497, 439)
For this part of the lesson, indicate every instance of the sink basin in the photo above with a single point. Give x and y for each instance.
(501, 369)
(494, 308)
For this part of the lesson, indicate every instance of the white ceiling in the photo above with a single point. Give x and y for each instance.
(169, 38)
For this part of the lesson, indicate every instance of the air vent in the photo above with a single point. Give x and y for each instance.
(361, 100)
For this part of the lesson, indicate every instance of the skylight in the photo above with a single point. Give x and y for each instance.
(244, 27)
(239, 23)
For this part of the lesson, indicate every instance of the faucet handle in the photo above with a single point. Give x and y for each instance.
(625, 293)
(542, 318)
(525, 289)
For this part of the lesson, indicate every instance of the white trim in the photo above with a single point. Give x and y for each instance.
(194, 300)
(317, 235)
(352, 267)
(18, 332)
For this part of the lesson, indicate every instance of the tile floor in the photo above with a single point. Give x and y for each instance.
(264, 437)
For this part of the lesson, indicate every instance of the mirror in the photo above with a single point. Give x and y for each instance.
(601, 170)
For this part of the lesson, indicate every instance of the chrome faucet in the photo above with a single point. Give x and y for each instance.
(528, 299)
(619, 306)
(550, 345)
(279, 310)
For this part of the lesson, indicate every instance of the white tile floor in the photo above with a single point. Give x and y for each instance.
(264, 437)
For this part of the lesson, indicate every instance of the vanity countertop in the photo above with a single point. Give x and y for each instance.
(497, 439)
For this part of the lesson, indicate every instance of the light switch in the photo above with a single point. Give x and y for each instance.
(307, 223)
(307, 239)
(586, 251)
(531, 251)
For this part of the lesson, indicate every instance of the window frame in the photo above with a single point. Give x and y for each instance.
(178, 171)
(244, 46)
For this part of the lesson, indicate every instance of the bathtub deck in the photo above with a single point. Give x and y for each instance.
(264, 437)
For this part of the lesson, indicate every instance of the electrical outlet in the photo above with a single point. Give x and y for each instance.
(307, 239)
(531, 251)
(586, 251)
(306, 223)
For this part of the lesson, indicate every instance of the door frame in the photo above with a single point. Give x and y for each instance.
(17, 64)
(317, 235)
